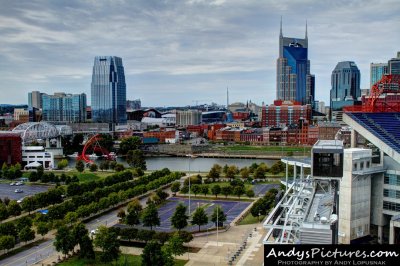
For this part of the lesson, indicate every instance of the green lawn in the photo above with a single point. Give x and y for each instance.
(250, 219)
(124, 259)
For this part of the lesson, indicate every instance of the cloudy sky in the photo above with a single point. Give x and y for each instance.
(178, 52)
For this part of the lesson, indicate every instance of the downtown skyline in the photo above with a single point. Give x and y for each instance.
(182, 52)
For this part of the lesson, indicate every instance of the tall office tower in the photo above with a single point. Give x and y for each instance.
(35, 99)
(377, 71)
(62, 107)
(108, 90)
(294, 81)
(394, 65)
(345, 90)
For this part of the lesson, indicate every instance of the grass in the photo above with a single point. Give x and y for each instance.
(124, 259)
(250, 219)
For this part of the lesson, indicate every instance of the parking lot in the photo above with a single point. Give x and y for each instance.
(7, 191)
(261, 189)
(231, 208)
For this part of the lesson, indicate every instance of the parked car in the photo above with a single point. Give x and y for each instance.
(20, 200)
(19, 183)
(12, 184)
(18, 190)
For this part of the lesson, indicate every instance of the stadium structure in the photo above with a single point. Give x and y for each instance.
(352, 195)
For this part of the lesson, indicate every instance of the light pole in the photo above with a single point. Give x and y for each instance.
(217, 224)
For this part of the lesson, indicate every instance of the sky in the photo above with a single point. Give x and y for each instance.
(179, 53)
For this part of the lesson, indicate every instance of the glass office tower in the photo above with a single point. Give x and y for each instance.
(377, 70)
(62, 107)
(108, 90)
(294, 81)
(345, 89)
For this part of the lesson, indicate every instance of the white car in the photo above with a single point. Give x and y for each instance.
(20, 200)
(18, 190)
(93, 232)
(12, 184)
(19, 183)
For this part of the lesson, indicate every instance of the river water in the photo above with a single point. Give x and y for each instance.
(186, 164)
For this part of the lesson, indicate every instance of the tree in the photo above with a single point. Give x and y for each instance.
(71, 217)
(3, 211)
(238, 191)
(26, 234)
(127, 144)
(62, 164)
(81, 237)
(179, 219)
(175, 187)
(135, 158)
(93, 167)
(277, 168)
(119, 167)
(107, 240)
(121, 214)
(152, 254)
(225, 169)
(250, 193)
(205, 189)
(42, 228)
(199, 217)
(150, 216)
(133, 215)
(196, 189)
(13, 208)
(244, 173)
(215, 172)
(218, 214)
(40, 171)
(231, 172)
(215, 190)
(253, 167)
(29, 204)
(7, 242)
(104, 165)
(64, 241)
(259, 173)
(175, 245)
(86, 246)
(227, 190)
(80, 166)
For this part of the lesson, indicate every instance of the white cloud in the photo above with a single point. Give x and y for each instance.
(178, 46)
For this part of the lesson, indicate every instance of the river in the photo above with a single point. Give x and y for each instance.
(184, 163)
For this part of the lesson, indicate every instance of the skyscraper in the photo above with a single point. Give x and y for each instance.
(108, 90)
(35, 99)
(394, 65)
(377, 71)
(62, 107)
(345, 90)
(294, 81)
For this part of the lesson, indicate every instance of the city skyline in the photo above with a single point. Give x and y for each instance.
(183, 52)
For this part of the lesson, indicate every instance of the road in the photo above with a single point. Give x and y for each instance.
(46, 249)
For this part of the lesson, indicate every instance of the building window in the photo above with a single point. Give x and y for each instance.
(391, 206)
(391, 179)
(391, 193)
(361, 165)
(368, 164)
(355, 167)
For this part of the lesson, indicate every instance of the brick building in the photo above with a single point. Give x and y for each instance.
(284, 113)
(10, 148)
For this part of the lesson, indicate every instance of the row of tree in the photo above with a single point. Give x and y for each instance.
(264, 204)
(10, 172)
(257, 171)
(149, 217)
